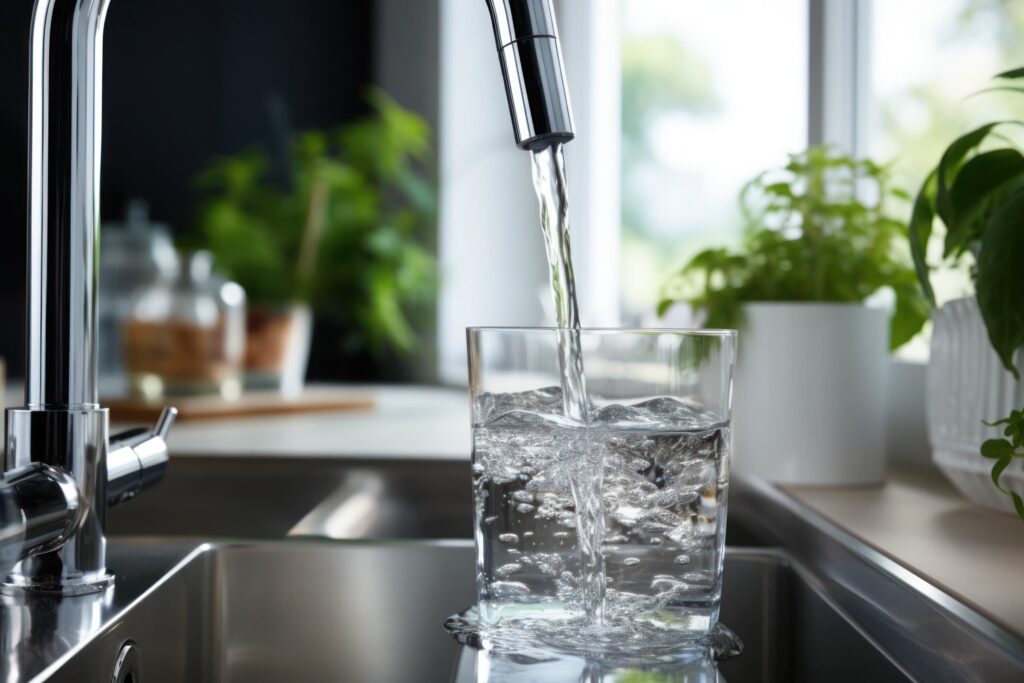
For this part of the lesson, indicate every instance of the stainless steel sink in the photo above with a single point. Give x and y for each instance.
(270, 498)
(373, 611)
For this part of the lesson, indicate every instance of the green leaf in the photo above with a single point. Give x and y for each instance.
(912, 312)
(998, 281)
(950, 164)
(997, 88)
(1012, 73)
(997, 449)
(997, 471)
(1018, 504)
(920, 231)
(978, 181)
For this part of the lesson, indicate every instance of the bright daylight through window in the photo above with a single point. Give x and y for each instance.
(700, 118)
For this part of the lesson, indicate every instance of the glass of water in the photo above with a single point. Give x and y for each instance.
(615, 519)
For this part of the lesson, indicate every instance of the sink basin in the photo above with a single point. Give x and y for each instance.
(269, 498)
(373, 611)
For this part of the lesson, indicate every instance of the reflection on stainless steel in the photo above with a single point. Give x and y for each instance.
(481, 666)
(39, 632)
(531, 65)
(269, 498)
(931, 634)
(356, 611)
(57, 445)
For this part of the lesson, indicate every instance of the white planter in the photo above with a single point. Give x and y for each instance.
(967, 384)
(811, 393)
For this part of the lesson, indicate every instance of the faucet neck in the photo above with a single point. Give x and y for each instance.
(64, 166)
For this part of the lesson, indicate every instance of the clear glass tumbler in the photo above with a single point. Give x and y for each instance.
(619, 517)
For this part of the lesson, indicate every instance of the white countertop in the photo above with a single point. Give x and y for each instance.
(407, 422)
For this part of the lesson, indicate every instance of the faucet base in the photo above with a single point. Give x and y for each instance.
(71, 441)
(17, 585)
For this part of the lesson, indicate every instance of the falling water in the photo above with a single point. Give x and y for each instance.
(585, 477)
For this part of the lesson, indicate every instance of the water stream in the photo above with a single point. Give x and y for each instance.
(585, 477)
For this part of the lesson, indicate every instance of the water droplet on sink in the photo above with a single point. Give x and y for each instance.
(508, 538)
(631, 561)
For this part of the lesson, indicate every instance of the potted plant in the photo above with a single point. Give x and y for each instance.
(818, 242)
(339, 236)
(974, 385)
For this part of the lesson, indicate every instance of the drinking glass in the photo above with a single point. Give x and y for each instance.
(619, 517)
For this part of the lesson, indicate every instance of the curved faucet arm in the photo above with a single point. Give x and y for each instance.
(39, 508)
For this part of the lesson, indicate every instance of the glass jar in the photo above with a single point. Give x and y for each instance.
(187, 336)
(134, 255)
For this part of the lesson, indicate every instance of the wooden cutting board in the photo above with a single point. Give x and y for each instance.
(250, 404)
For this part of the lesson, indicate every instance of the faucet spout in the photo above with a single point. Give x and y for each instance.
(531, 65)
(64, 166)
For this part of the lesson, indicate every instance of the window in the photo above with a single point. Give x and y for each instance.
(712, 94)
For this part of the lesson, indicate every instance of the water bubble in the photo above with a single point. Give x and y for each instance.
(561, 534)
(682, 559)
(522, 497)
(506, 570)
(527, 534)
(631, 561)
(525, 508)
(491, 519)
(614, 539)
(664, 584)
(508, 538)
(508, 590)
(656, 540)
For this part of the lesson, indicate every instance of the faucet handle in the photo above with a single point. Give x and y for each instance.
(166, 420)
(137, 458)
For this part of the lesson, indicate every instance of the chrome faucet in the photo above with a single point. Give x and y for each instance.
(62, 469)
(531, 65)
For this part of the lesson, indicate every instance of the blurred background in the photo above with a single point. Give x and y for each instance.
(339, 179)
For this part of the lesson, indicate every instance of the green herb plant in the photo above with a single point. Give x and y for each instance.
(816, 230)
(977, 192)
(1004, 450)
(343, 235)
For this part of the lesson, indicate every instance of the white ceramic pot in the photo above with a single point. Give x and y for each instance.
(967, 384)
(810, 400)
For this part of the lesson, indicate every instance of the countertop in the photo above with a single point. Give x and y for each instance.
(406, 422)
(919, 520)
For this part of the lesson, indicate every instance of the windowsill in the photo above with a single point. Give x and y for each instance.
(919, 520)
